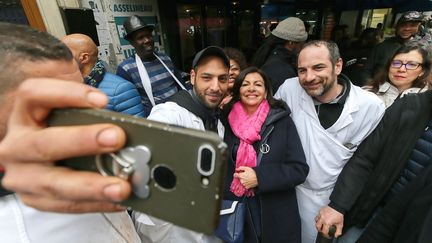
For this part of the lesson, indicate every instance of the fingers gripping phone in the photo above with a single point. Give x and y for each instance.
(176, 173)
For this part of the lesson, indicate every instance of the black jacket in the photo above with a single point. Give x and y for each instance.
(380, 55)
(279, 66)
(379, 160)
(354, 61)
(278, 173)
(406, 218)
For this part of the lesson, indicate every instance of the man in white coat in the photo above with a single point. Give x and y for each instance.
(195, 109)
(332, 117)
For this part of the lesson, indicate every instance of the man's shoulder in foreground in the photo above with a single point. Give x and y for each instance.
(171, 113)
(413, 103)
(19, 223)
(123, 95)
(289, 86)
(367, 98)
(113, 79)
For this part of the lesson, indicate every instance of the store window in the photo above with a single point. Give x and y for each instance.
(216, 25)
(312, 22)
(191, 32)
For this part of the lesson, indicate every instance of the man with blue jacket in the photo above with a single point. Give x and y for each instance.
(122, 94)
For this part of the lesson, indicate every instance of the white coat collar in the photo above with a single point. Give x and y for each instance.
(351, 106)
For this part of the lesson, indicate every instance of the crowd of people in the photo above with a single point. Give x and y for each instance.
(309, 149)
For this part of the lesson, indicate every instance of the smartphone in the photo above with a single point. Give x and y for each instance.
(176, 173)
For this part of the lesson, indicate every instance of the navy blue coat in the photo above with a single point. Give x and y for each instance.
(279, 171)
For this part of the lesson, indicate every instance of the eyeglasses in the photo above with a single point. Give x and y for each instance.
(408, 65)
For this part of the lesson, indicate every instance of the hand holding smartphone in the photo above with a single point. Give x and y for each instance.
(176, 173)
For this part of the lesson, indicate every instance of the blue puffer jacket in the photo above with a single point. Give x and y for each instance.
(122, 94)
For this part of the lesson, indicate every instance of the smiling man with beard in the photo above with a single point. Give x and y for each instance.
(153, 73)
(196, 109)
(332, 117)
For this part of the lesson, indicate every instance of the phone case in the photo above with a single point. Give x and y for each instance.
(177, 172)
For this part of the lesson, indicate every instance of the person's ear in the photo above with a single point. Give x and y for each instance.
(84, 58)
(192, 76)
(338, 66)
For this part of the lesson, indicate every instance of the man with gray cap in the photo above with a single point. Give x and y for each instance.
(196, 109)
(153, 73)
(407, 28)
(277, 57)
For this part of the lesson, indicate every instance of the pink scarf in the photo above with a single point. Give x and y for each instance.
(247, 129)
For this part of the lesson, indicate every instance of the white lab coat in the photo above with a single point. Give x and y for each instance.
(155, 230)
(22, 224)
(327, 150)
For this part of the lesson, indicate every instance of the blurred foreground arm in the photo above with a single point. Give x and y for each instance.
(29, 150)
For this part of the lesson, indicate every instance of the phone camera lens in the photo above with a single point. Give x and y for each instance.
(164, 177)
(206, 160)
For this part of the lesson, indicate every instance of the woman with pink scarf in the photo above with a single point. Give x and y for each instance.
(266, 160)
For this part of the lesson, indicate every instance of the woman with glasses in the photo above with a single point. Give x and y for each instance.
(407, 72)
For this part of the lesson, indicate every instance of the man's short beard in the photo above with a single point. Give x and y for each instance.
(201, 97)
(323, 89)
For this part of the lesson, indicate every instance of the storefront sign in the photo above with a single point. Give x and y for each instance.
(120, 10)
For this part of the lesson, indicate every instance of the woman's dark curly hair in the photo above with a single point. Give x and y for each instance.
(236, 55)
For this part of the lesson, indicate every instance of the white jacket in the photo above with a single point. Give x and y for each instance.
(327, 150)
(171, 113)
(388, 93)
(155, 230)
(22, 224)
